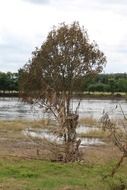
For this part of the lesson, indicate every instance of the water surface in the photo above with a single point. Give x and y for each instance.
(14, 108)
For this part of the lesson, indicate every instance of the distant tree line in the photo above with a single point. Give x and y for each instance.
(8, 81)
(101, 83)
(107, 83)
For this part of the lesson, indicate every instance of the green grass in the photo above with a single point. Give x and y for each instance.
(43, 175)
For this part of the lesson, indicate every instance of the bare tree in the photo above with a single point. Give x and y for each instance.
(55, 71)
(118, 135)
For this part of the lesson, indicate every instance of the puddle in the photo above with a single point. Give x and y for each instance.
(45, 134)
(91, 141)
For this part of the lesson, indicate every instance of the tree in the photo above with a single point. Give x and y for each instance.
(55, 71)
(112, 85)
(98, 87)
(118, 135)
(8, 81)
(122, 85)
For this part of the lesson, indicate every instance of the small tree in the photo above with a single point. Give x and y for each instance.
(118, 135)
(55, 71)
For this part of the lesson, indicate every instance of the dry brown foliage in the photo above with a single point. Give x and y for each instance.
(55, 71)
(118, 134)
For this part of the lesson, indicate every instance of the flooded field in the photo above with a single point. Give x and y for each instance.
(14, 108)
(46, 134)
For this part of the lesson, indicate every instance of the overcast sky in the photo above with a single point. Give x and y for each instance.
(24, 25)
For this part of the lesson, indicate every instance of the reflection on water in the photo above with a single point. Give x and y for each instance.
(42, 133)
(91, 141)
(13, 108)
(95, 107)
(45, 134)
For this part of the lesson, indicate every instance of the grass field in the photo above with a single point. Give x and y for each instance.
(22, 169)
(17, 174)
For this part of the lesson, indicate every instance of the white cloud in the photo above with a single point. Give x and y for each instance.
(25, 24)
(38, 1)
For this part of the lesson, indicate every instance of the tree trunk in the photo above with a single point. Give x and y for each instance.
(71, 143)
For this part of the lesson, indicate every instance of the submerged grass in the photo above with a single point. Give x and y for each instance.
(21, 124)
(95, 134)
(13, 128)
(89, 122)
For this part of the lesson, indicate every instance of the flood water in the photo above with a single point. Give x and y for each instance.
(45, 134)
(13, 108)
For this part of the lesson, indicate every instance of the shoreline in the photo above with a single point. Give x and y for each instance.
(102, 96)
(85, 95)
